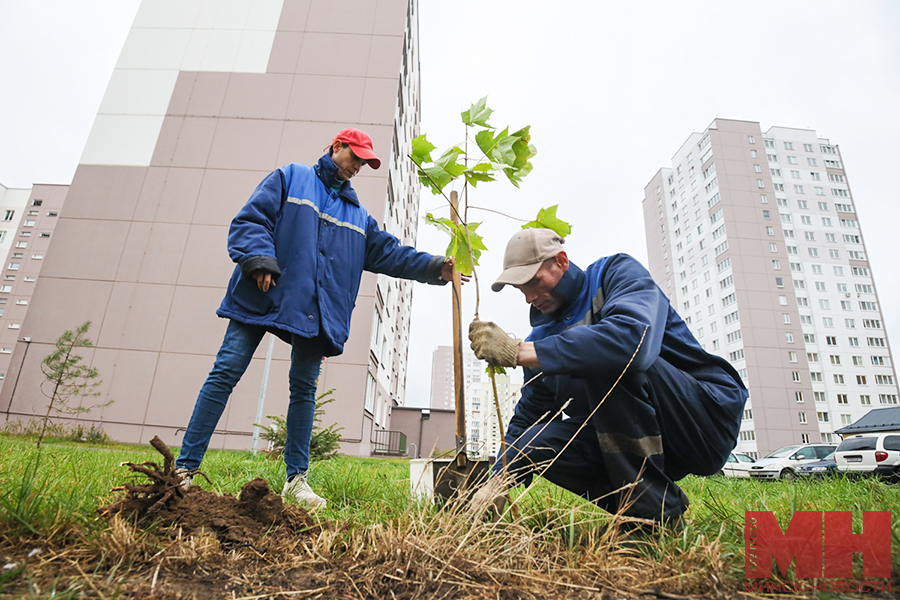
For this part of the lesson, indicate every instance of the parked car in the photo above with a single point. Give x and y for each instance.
(873, 454)
(784, 462)
(819, 469)
(737, 465)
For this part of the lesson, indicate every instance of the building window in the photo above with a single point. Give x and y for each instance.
(9, 215)
(802, 417)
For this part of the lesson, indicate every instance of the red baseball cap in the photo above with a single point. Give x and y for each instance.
(361, 144)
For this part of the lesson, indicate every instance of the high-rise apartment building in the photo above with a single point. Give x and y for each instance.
(30, 217)
(442, 386)
(484, 429)
(207, 98)
(755, 239)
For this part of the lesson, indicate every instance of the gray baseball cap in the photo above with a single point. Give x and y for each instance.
(525, 253)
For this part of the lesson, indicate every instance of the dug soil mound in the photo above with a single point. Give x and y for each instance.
(255, 513)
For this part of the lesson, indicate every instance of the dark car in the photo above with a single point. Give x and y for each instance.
(819, 469)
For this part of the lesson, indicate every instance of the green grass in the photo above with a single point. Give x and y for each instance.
(71, 481)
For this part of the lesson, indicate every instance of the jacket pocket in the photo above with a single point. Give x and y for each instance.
(249, 297)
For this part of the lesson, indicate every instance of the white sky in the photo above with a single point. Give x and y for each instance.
(611, 90)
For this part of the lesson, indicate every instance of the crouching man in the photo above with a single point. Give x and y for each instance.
(644, 404)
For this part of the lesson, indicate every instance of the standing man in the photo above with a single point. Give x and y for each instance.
(676, 409)
(301, 244)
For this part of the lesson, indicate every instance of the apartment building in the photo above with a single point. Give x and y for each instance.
(29, 218)
(754, 237)
(442, 376)
(207, 98)
(485, 430)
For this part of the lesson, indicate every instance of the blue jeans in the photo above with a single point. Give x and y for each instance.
(231, 362)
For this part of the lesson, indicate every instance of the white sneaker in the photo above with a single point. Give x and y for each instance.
(187, 478)
(298, 489)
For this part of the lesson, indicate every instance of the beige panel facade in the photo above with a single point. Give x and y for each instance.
(30, 219)
(754, 237)
(140, 246)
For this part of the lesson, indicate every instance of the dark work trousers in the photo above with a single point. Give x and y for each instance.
(653, 428)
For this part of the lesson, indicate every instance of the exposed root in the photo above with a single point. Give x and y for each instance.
(146, 500)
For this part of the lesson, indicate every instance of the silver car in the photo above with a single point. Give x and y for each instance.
(785, 462)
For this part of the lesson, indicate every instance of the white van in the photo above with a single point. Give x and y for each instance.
(872, 454)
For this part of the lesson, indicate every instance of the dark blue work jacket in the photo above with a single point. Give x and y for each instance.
(594, 335)
(321, 241)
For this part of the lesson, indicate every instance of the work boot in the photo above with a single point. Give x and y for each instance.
(298, 489)
(187, 478)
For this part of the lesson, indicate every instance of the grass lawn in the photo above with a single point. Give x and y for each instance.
(374, 541)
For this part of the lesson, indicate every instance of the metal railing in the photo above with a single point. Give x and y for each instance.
(389, 443)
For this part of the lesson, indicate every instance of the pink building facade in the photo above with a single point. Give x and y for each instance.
(206, 99)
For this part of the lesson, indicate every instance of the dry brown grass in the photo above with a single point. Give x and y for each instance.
(449, 553)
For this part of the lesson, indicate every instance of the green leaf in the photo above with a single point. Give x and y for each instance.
(421, 150)
(503, 151)
(480, 172)
(497, 370)
(434, 178)
(445, 225)
(459, 242)
(465, 260)
(478, 114)
(443, 171)
(522, 149)
(486, 142)
(448, 163)
(546, 218)
(516, 175)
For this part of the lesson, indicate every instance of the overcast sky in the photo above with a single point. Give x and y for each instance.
(611, 91)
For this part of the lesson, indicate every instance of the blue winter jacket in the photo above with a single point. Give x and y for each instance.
(316, 242)
(595, 333)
